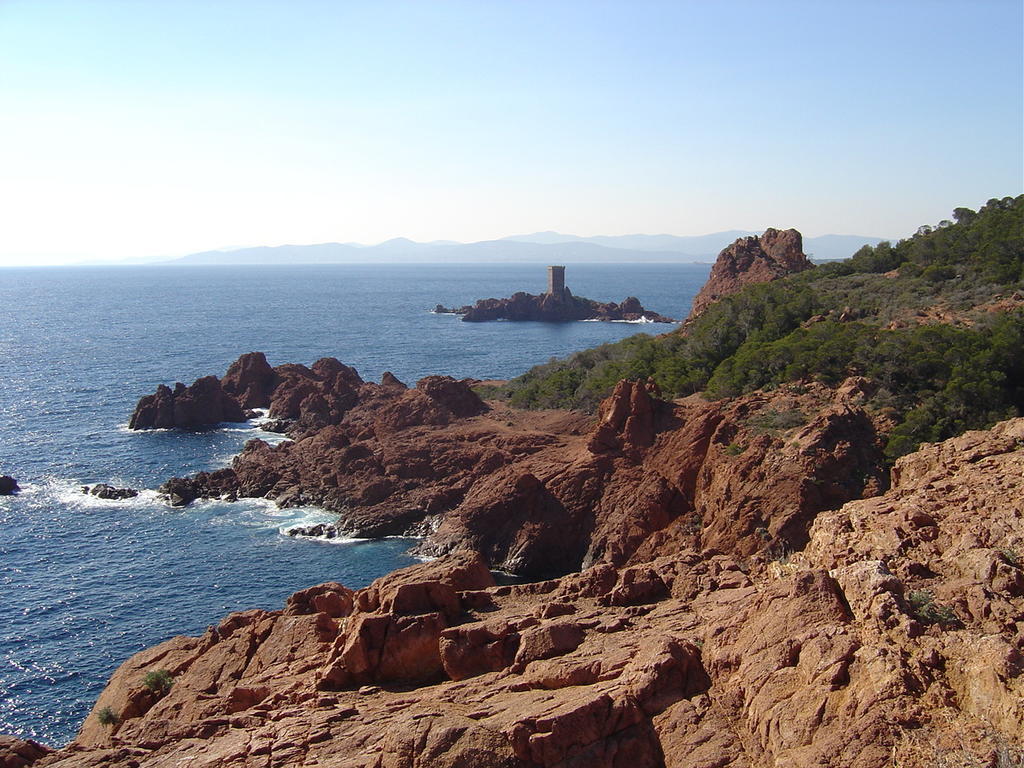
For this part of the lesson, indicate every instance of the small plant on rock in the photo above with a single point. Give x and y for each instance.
(159, 682)
(924, 608)
(774, 420)
(107, 716)
(1012, 557)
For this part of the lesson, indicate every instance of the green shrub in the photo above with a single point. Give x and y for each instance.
(827, 323)
(159, 682)
(107, 717)
(773, 420)
(924, 608)
(734, 449)
(1012, 557)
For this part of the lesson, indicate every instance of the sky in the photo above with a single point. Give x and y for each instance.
(142, 128)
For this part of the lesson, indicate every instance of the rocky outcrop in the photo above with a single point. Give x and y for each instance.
(300, 399)
(893, 638)
(200, 405)
(543, 494)
(109, 492)
(398, 456)
(250, 380)
(8, 485)
(755, 259)
(548, 307)
(744, 477)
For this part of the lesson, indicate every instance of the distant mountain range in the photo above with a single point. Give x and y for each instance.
(539, 247)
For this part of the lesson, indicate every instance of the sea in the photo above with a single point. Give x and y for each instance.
(85, 583)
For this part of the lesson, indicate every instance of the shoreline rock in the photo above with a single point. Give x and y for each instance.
(202, 404)
(18, 753)
(8, 485)
(547, 494)
(105, 491)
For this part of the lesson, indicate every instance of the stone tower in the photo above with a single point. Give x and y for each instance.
(556, 281)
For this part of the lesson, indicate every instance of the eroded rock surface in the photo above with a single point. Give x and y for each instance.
(546, 493)
(687, 658)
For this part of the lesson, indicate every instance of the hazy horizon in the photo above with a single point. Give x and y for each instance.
(161, 129)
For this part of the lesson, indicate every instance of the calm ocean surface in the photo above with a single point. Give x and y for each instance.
(84, 583)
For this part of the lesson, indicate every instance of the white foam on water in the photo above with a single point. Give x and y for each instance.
(324, 539)
(639, 321)
(68, 492)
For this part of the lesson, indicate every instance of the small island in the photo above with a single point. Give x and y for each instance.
(557, 305)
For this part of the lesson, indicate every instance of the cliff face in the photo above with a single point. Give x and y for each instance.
(827, 657)
(749, 260)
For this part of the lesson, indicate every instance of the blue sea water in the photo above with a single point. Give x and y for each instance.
(85, 583)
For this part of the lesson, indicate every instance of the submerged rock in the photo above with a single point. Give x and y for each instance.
(104, 491)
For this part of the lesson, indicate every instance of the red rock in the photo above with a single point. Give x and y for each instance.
(552, 638)
(250, 380)
(816, 660)
(474, 649)
(202, 404)
(331, 598)
(454, 395)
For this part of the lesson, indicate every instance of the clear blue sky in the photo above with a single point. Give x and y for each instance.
(146, 127)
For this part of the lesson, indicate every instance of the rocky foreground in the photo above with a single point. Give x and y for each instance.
(893, 638)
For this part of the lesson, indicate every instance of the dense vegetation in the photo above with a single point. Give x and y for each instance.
(875, 314)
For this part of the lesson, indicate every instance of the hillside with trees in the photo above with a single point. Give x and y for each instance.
(936, 321)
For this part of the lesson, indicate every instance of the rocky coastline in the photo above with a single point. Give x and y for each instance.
(891, 638)
(741, 582)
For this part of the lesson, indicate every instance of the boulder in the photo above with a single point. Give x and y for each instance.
(8, 485)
